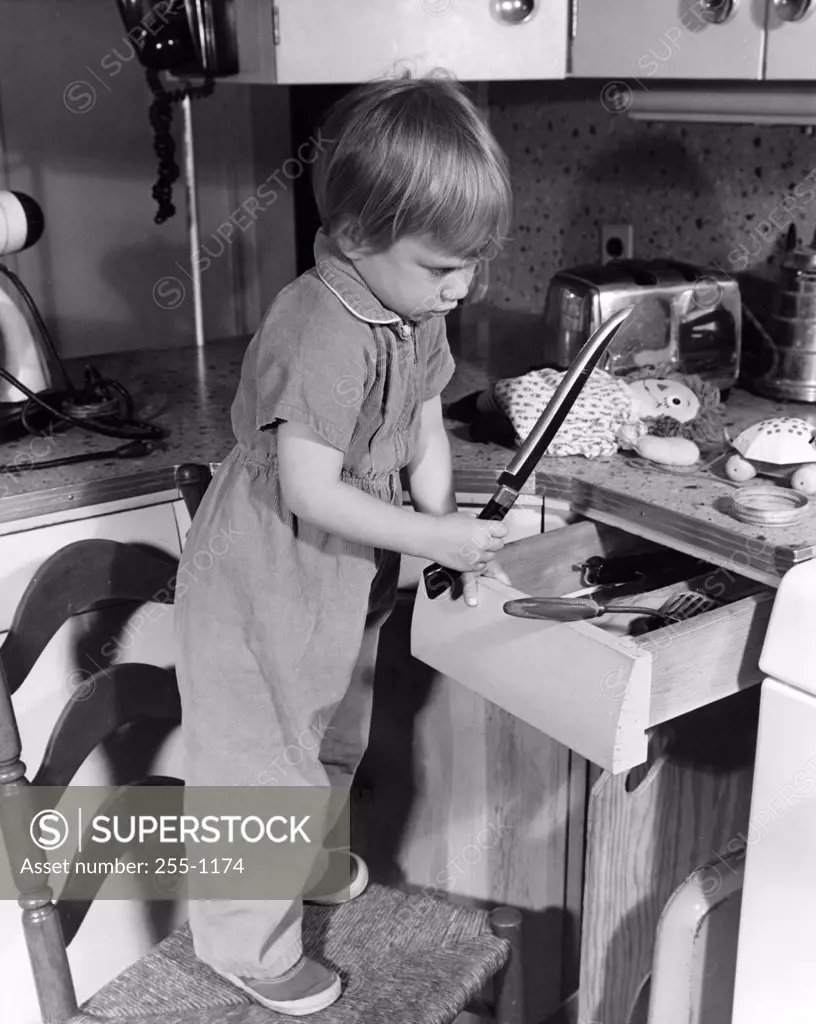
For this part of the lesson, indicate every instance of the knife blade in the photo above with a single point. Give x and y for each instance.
(438, 579)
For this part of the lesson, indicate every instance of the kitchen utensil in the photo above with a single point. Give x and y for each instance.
(687, 315)
(572, 609)
(437, 578)
(792, 329)
(103, 407)
(630, 568)
(683, 606)
(679, 607)
(22, 354)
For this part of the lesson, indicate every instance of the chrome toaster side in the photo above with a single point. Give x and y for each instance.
(686, 315)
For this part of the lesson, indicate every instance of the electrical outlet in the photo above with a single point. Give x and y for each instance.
(616, 242)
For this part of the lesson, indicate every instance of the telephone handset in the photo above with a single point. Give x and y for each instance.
(183, 38)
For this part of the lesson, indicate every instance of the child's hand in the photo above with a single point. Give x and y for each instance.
(463, 542)
(470, 588)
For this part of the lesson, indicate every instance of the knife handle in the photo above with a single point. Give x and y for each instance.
(437, 578)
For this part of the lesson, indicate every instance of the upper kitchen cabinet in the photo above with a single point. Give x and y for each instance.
(302, 42)
(791, 52)
(682, 39)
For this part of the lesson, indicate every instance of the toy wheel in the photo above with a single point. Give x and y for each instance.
(804, 479)
(739, 469)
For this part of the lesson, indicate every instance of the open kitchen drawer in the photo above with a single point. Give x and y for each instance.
(588, 684)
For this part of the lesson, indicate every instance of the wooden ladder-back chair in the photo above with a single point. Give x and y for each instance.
(81, 577)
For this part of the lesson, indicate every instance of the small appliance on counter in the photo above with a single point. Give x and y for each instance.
(684, 314)
(791, 335)
(29, 404)
(21, 352)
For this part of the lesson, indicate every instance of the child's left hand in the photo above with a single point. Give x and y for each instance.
(470, 586)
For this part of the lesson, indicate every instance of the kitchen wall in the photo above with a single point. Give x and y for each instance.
(75, 134)
(702, 193)
(697, 192)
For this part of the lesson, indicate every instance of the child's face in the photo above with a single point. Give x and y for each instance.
(414, 278)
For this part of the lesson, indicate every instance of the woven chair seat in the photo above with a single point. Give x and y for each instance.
(404, 958)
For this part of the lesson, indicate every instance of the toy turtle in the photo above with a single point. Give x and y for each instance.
(781, 448)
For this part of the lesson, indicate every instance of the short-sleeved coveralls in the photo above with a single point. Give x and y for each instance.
(277, 620)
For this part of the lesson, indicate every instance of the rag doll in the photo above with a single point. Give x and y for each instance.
(660, 413)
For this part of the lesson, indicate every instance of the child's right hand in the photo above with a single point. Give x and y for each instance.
(463, 542)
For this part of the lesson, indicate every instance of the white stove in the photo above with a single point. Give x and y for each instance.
(776, 955)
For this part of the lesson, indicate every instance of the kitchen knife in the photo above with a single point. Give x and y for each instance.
(439, 579)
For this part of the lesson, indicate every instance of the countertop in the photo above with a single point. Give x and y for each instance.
(189, 392)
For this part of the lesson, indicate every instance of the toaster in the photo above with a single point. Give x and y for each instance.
(685, 315)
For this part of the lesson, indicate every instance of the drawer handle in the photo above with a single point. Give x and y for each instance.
(792, 10)
(717, 12)
(513, 12)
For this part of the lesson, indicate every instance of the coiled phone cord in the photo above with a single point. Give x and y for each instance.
(161, 119)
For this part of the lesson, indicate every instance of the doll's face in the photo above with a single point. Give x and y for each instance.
(665, 398)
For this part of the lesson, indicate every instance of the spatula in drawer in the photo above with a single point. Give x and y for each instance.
(571, 609)
(679, 606)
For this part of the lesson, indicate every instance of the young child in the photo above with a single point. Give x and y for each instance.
(340, 390)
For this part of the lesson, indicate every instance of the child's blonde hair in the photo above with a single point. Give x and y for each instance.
(404, 157)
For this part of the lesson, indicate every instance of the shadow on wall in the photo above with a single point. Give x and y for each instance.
(77, 137)
(151, 282)
(696, 192)
(634, 163)
(75, 133)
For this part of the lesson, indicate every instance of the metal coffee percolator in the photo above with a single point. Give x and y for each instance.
(792, 330)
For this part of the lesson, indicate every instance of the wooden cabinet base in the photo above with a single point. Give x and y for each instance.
(456, 795)
(647, 832)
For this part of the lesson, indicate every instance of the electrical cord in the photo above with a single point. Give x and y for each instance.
(130, 450)
(104, 406)
(105, 426)
(38, 320)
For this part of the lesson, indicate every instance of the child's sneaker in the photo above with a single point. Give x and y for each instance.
(340, 868)
(304, 989)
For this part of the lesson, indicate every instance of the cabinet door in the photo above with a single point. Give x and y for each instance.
(455, 795)
(651, 39)
(336, 41)
(791, 52)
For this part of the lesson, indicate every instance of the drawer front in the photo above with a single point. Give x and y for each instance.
(21, 554)
(592, 687)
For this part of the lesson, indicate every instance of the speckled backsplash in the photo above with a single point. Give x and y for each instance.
(697, 192)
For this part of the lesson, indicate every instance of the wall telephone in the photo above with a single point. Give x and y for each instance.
(183, 38)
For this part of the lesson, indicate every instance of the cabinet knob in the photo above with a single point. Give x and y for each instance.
(792, 10)
(513, 12)
(717, 12)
